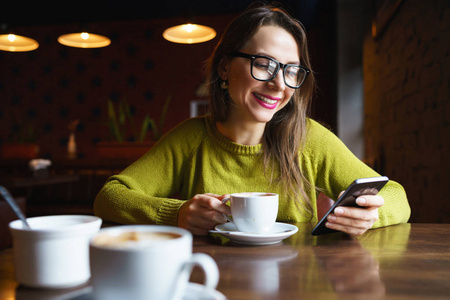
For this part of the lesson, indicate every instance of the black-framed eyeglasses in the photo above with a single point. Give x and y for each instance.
(264, 68)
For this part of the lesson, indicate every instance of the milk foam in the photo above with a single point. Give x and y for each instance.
(132, 239)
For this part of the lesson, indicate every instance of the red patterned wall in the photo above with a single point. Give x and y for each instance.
(50, 87)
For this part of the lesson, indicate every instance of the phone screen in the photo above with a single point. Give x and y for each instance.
(362, 186)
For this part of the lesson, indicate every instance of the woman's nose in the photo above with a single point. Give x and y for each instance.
(278, 81)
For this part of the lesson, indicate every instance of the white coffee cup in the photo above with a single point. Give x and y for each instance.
(55, 252)
(142, 262)
(253, 212)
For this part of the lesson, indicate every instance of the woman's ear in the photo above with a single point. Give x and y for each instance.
(223, 69)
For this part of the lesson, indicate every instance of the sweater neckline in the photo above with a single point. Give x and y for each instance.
(228, 145)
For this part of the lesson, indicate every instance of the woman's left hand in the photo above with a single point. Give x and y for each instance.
(354, 220)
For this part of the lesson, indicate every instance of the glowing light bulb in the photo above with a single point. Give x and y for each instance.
(189, 33)
(189, 27)
(84, 40)
(11, 37)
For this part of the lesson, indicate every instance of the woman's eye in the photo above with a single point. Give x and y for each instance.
(261, 65)
(292, 72)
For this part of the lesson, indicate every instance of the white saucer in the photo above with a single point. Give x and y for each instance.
(194, 291)
(279, 232)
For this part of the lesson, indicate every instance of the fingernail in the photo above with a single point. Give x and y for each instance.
(361, 201)
(331, 218)
(339, 211)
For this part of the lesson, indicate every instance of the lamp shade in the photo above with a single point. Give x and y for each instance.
(189, 34)
(17, 43)
(84, 40)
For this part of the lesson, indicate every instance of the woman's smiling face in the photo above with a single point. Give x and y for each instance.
(253, 100)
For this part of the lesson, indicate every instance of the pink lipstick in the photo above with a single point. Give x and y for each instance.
(266, 101)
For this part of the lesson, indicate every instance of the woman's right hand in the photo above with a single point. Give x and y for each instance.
(202, 212)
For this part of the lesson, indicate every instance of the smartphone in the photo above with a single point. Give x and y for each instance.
(359, 187)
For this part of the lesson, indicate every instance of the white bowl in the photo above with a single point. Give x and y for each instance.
(55, 253)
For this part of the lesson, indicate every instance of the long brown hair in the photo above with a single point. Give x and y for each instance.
(285, 134)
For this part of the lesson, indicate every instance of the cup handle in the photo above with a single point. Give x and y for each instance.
(227, 217)
(209, 267)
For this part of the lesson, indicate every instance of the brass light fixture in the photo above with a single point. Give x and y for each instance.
(189, 34)
(84, 40)
(17, 43)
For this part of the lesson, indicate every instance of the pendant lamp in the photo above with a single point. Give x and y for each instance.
(189, 34)
(84, 40)
(17, 43)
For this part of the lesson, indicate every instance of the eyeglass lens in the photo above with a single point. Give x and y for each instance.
(266, 69)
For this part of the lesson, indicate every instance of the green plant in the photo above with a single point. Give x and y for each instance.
(26, 134)
(22, 132)
(121, 122)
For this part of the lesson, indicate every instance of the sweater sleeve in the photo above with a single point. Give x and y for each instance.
(336, 167)
(142, 192)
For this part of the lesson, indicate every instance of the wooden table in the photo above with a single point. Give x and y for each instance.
(408, 261)
(28, 183)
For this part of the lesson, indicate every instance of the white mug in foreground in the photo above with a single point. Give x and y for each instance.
(142, 262)
(55, 252)
(254, 212)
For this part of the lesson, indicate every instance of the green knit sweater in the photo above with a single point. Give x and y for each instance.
(194, 158)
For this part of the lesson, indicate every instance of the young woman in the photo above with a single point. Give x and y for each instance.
(257, 138)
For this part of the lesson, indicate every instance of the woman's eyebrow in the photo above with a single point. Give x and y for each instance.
(296, 62)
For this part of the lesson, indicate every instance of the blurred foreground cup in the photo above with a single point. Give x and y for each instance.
(142, 262)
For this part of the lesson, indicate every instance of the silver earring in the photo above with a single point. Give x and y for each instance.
(224, 85)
